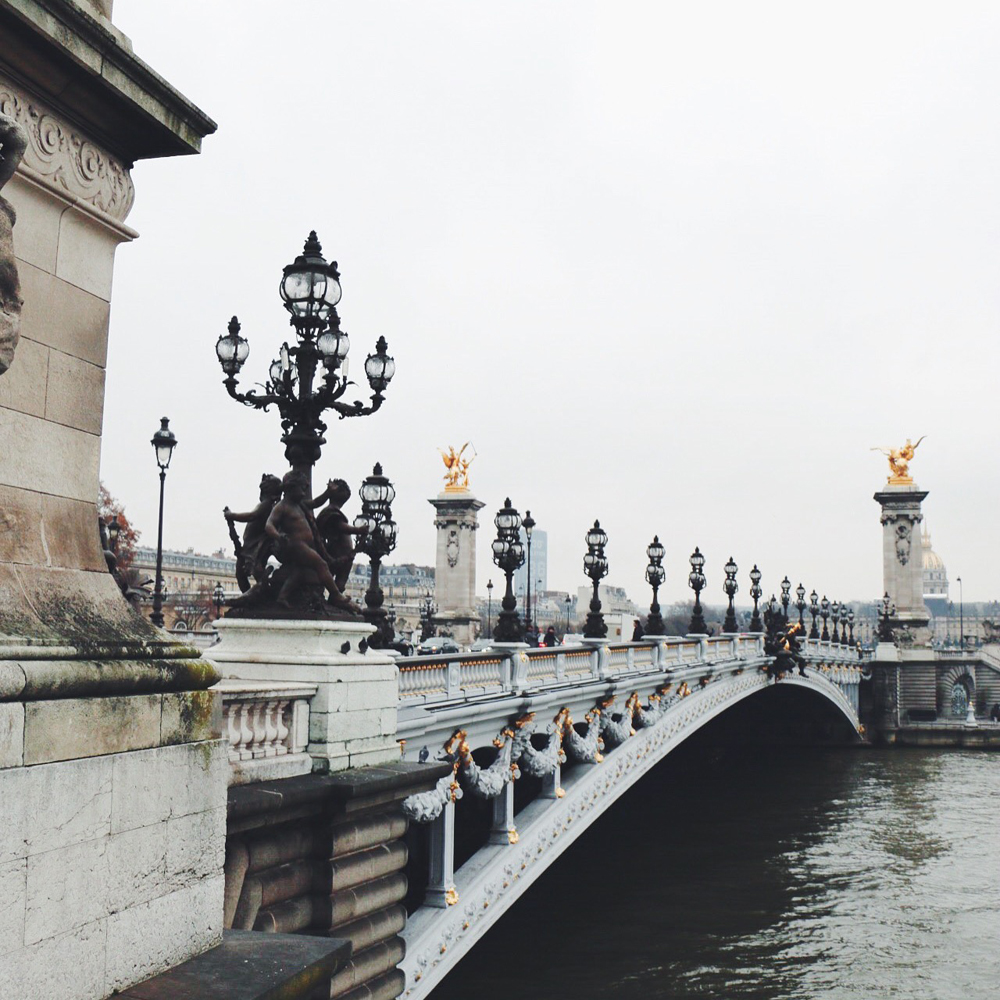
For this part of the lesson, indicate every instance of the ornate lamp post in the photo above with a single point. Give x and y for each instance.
(218, 599)
(786, 596)
(850, 625)
(835, 618)
(825, 612)
(377, 540)
(595, 565)
(730, 587)
(163, 443)
(427, 611)
(310, 290)
(569, 604)
(756, 625)
(655, 575)
(114, 530)
(489, 609)
(508, 554)
(886, 611)
(814, 611)
(528, 524)
(697, 581)
(800, 603)
(843, 624)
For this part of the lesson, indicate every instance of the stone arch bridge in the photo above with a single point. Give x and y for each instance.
(576, 726)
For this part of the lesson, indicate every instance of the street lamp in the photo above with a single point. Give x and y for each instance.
(697, 581)
(528, 524)
(835, 618)
(756, 625)
(850, 624)
(961, 614)
(814, 611)
(377, 539)
(427, 611)
(655, 575)
(786, 596)
(310, 290)
(730, 587)
(844, 611)
(114, 530)
(886, 611)
(825, 612)
(489, 609)
(218, 598)
(508, 554)
(800, 603)
(595, 565)
(569, 604)
(163, 443)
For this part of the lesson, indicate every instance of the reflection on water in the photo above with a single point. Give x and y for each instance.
(768, 875)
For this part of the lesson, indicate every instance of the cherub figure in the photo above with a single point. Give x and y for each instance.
(335, 530)
(299, 545)
(899, 460)
(13, 142)
(252, 553)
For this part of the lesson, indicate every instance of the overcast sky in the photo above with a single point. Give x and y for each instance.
(675, 266)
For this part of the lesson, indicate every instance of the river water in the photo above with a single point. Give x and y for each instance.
(767, 874)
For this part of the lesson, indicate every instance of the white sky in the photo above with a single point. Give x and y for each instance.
(675, 266)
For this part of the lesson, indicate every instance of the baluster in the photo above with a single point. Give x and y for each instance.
(246, 731)
(630, 658)
(258, 729)
(560, 666)
(233, 733)
(270, 729)
(281, 740)
(502, 831)
(441, 892)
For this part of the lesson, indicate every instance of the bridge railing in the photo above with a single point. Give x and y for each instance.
(512, 668)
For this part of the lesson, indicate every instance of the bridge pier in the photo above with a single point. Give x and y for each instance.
(441, 892)
(552, 784)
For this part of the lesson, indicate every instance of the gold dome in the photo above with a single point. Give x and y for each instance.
(931, 559)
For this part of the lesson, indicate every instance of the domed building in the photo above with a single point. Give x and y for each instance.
(935, 574)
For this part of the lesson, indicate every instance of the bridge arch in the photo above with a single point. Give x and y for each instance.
(488, 885)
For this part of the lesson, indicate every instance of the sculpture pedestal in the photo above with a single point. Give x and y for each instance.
(902, 558)
(352, 717)
(455, 574)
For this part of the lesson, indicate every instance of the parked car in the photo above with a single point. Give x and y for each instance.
(480, 644)
(437, 644)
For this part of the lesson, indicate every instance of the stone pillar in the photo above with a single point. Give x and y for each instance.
(455, 575)
(111, 770)
(902, 562)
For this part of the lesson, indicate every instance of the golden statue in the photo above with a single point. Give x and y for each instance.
(899, 462)
(457, 477)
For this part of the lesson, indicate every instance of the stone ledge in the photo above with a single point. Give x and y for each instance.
(250, 966)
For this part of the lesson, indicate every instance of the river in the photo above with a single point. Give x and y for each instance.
(767, 874)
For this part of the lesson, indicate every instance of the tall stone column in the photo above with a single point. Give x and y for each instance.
(902, 562)
(455, 575)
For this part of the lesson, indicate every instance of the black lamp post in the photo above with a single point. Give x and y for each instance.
(528, 524)
(310, 290)
(824, 606)
(850, 625)
(655, 575)
(730, 587)
(756, 625)
(218, 598)
(427, 611)
(835, 618)
(377, 541)
(844, 611)
(697, 581)
(489, 609)
(508, 554)
(786, 596)
(814, 611)
(800, 603)
(595, 565)
(961, 614)
(569, 604)
(114, 530)
(163, 443)
(886, 611)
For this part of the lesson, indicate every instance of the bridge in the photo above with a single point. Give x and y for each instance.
(580, 725)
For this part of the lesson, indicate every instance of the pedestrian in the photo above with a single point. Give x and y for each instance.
(551, 639)
(637, 632)
(531, 636)
(995, 712)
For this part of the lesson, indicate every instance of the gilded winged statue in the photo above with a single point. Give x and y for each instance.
(457, 476)
(899, 460)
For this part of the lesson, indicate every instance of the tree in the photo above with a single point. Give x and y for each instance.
(109, 507)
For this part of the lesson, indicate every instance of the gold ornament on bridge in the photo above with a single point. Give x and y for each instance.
(899, 462)
(456, 479)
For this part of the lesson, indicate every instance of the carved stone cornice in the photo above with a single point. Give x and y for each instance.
(60, 155)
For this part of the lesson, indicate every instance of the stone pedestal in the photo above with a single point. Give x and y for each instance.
(455, 574)
(352, 716)
(902, 562)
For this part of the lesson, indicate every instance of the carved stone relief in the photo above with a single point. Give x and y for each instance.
(903, 537)
(13, 141)
(66, 158)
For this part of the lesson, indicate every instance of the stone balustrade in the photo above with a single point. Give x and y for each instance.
(267, 726)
